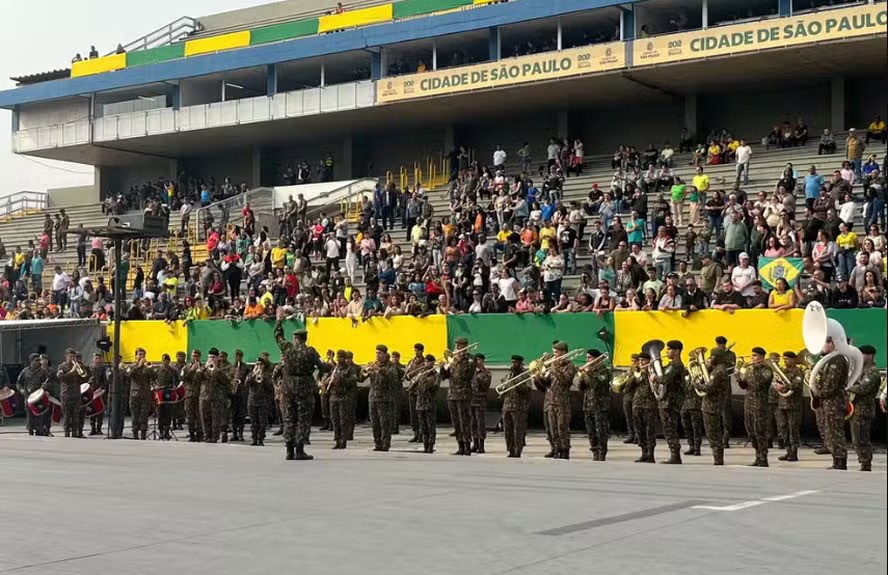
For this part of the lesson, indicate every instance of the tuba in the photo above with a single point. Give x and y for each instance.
(817, 329)
(780, 376)
(654, 350)
(698, 373)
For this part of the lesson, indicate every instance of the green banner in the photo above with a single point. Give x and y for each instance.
(773, 269)
(408, 8)
(501, 335)
(286, 31)
(865, 326)
(250, 336)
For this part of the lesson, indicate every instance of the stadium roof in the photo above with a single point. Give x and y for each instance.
(42, 77)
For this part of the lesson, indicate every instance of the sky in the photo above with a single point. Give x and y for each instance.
(43, 35)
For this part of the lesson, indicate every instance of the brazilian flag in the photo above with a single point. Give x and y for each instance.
(772, 269)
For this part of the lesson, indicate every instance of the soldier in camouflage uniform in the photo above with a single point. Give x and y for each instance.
(395, 400)
(298, 388)
(596, 387)
(352, 407)
(865, 390)
(323, 395)
(829, 390)
(713, 402)
(165, 377)
(644, 412)
(53, 387)
(774, 430)
(179, 407)
(478, 403)
(215, 391)
(224, 396)
(459, 395)
(192, 375)
(628, 395)
(820, 420)
(141, 377)
(339, 384)
(789, 406)
(692, 418)
(756, 379)
(383, 376)
(32, 378)
(260, 398)
(277, 378)
(414, 366)
(426, 395)
(721, 342)
(515, 405)
(673, 380)
(99, 380)
(239, 396)
(557, 382)
(67, 374)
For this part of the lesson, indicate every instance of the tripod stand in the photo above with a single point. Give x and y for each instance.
(155, 434)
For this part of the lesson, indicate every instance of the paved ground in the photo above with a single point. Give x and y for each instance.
(140, 508)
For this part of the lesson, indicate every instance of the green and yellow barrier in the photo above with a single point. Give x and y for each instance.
(356, 18)
(98, 65)
(217, 43)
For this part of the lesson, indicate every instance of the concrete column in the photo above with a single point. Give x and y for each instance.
(434, 54)
(176, 96)
(494, 44)
(98, 182)
(323, 74)
(784, 7)
(256, 172)
(691, 116)
(837, 104)
(563, 124)
(15, 119)
(343, 169)
(376, 70)
(560, 42)
(706, 14)
(271, 80)
(627, 24)
(383, 62)
(224, 89)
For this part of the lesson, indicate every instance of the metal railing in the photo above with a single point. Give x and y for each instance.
(234, 203)
(165, 35)
(22, 204)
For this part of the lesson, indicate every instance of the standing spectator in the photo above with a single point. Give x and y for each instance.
(736, 238)
(854, 151)
(60, 287)
(525, 157)
(664, 249)
(743, 276)
(743, 154)
(813, 184)
(499, 159)
(677, 199)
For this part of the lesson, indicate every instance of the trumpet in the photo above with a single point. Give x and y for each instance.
(79, 368)
(538, 367)
(450, 355)
(369, 369)
(620, 381)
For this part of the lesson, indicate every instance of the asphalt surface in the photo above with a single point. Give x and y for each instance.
(129, 507)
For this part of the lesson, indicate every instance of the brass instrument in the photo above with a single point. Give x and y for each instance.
(369, 369)
(698, 373)
(79, 368)
(654, 350)
(621, 380)
(449, 355)
(594, 364)
(536, 368)
(779, 375)
(817, 330)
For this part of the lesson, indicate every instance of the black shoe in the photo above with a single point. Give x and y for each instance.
(629, 440)
(30, 432)
(461, 450)
(225, 437)
(689, 451)
(474, 448)
(291, 455)
(843, 464)
(278, 432)
(756, 463)
(512, 454)
(866, 466)
(551, 455)
(675, 459)
(307, 441)
(377, 448)
(481, 448)
(602, 456)
(781, 444)
(763, 463)
(565, 454)
(642, 459)
(261, 443)
(414, 439)
(67, 433)
(821, 451)
(784, 457)
(144, 435)
(696, 452)
(468, 449)
(254, 443)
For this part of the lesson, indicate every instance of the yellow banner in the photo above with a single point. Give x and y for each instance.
(355, 18)
(156, 337)
(399, 334)
(217, 43)
(98, 65)
(804, 29)
(773, 330)
(548, 66)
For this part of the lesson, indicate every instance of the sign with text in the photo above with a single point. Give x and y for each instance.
(771, 33)
(546, 66)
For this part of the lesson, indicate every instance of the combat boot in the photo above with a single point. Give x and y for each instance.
(843, 464)
(254, 443)
(301, 455)
(414, 439)
(224, 437)
(756, 462)
(674, 457)
(689, 450)
(261, 443)
(565, 453)
(551, 454)
(461, 450)
(67, 433)
(602, 455)
(763, 462)
(481, 447)
(866, 466)
(718, 458)
(821, 451)
(143, 435)
(290, 451)
(594, 454)
(781, 444)
(468, 449)
(793, 454)
(785, 456)
(512, 453)
(629, 440)
(474, 446)
(280, 431)
(697, 448)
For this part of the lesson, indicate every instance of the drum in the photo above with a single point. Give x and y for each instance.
(56, 409)
(180, 393)
(86, 394)
(96, 405)
(7, 408)
(38, 402)
(164, 396)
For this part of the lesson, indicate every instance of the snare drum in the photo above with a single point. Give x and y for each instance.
(180, 393)
(96, 405)
(86, 394)
(164, 396)
(6, 405)
(38, 402)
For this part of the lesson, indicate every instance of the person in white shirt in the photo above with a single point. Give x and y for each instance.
(743, 276)
(60, 287)
(552, 152)
(185, 210)
(499, 158)
(509, 287)
(553, 273)
(664, 248)
(743, 154)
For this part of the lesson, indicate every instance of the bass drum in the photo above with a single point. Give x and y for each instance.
(7, 407)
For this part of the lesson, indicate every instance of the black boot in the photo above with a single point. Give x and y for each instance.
(602, 455)
(868, 466)
(643, 458)
(793, 454)
(763, 462)
(512, 453)
(224, 437)
(67, 433)
(481, 447)
(474, 446)
(290, 451)
(595, 454)
(301, 455)
(674, 457)
(718, 458)
(414, 439)
(755, 463)
(689, 450)
(843, 464)
(143, 435)
(461, 450)
(821, 451)
(468, 449)
(629, 440)
(551, 454)
(785, 456)
(565, 453)
(781, 444)
(255, 442)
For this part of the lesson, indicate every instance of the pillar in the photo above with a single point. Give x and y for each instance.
(563, 124)
(376, 70)
(434, 54)
(271, 80)
(706, 13)
(691, 115)
(98, 182)
(837, 104)
(343, 168)
(256, 167)
(323, 74)
(176, 96)
(560, 37)
(494, 44)
(784, 7)
(627, 24)
(15, 119)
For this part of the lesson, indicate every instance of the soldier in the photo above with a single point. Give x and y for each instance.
(774, 428)
(69, 374)
(215, 389)
(324, 390)
(53, 388)
(628, 393)
(644, 412)
(595, 385)
(864, 392)
(557, 381)
(515, 404)
(414, 366)
(352, 408)
(165, 378)
(100, 379)
(239, 396)
(30, 379)
(260, 396)
(192, 375)
(340, 382)
(820, 420)
(224, 396)
(277, 377)
(673, 380)
(721, 342)
(383, 376)
(141, 376)
(692, 418)
(179, 407)
(460, 370)
(829, 390)
(789, 406)
(713, 402)
(426, 394)
(297, 388)
(756, 379)
(395, 400)
(478, 403)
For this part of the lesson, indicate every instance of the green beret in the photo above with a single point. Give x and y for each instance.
(559, 346)
(300, 332)
(790, 354)
(430, 357)
(759, 351)
(382, 347)
(419, 347)
(461, 341)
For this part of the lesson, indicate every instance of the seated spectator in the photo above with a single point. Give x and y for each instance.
(844, 296)
(827, 143)
(781, 297)
(728, 299)
(671, 300)
(876, 130)
(714, 153)
(872, 295)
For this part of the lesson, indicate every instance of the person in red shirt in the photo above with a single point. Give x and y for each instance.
(249, 219)
(44, 245)
(291, 283)
(213, 242)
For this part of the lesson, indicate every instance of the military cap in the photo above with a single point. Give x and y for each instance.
(70, 350)
(759, 351)
(44, 356)
(350, 354)
(382, 347)
(419, 347)
(559, 346)
(594, 353)
(239, 352)
(138, 349)
(33, 356)
(480, 356)
(461, 341)
(213, 352)
(302, 331)
(517, 357)
(790, 354)
(223, 353)
(867, 350)
(674, 344)
(195, 350)
(97, 354)
(341, 353)
(721, 340)
(396, 354)
(165, 356)
(635, 356)
(429, 357)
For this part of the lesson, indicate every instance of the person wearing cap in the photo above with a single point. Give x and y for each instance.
(828, 392)
(298, 388)
(100, 380)
(644, 411)
(141, 377)
(721, 342)
(414, 366)
(515, 405)
(478, 403)
(323, 396)
(633, 377)
(224, 396)
(844, 296)
(595, 385)
(692, 419)
(854, 148)
(352, 395)
(775, 427)
(260, 397)
(238, 375)
(556, 381)
(789, 405)
(672, 396)
(215, 392)
(863, 395)
(179, 407)
(30, 379)
(383, 376)
(718, 386)
(395, 392)
(192, 375)
(425, 392)
(165, 378)
(460, 371)
(756, 379)
(339, 385)
(71, 374)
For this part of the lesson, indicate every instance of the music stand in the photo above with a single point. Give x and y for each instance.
(155, 435)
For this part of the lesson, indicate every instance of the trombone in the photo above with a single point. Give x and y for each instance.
(594, 364)
(538, 367)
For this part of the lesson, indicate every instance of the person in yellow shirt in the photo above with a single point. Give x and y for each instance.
(701, 184)
(266, 298)
(847, 244)
(547, 234)
(279, 255)
(714, 153)
(876, 130)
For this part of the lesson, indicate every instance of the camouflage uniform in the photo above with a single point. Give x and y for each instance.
(100, 379)
(728, 407)
(71, 402)
(628, 395)
(324, 398)
(789, 413)
(193, 376)
(141, 377)
(224, 397)
(395, 399)
(865, 391)
(166, 377)
(557, 383)
(382, 378)
(239, 398)
(459, 395)
(340, 388)
(712, 406)
(774, 428)
(30, 380)
(596, 409)
(692, 419)
(215, 391)
(515, 405)
(833, 379)
(297, 388)
(426, 394)
(277, 378)
(756, 382)
(413, 368)
(352, 405)
(670, 406)
(644, 412)
(179, 407)
(478, 405)
(260, 398)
